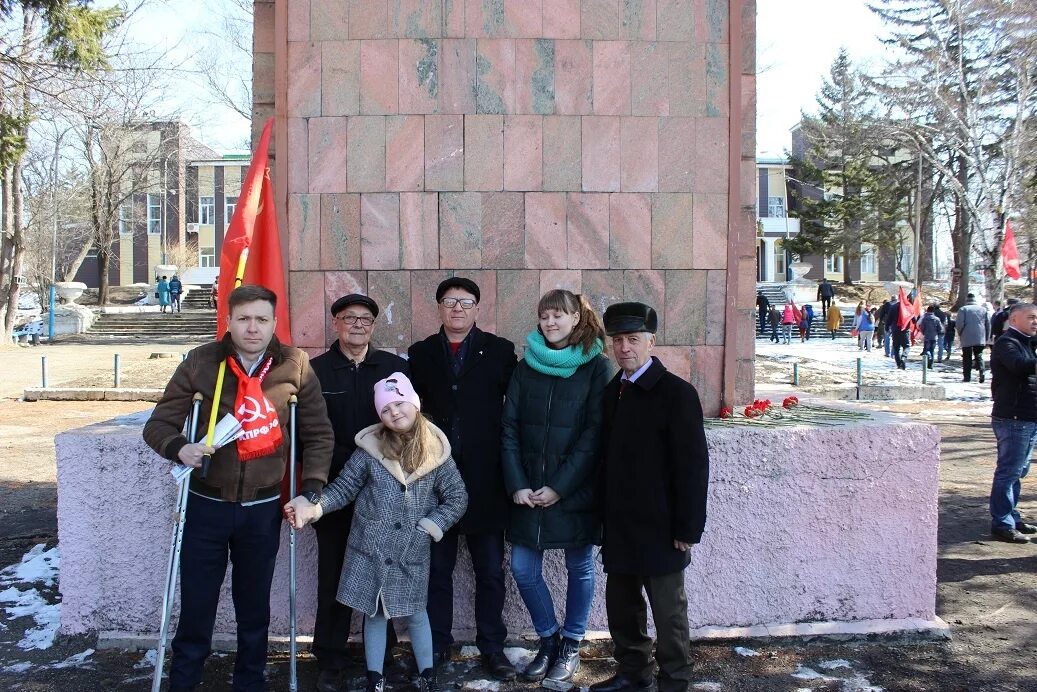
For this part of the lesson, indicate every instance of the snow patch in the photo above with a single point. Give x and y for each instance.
(708, 686)
(18, 667)
(805, 673)
(75, 661)
(149, 660)
(520, 657)
(743, 651)
(837, 663)
(38, 566)
(469, 651)
(487, 685)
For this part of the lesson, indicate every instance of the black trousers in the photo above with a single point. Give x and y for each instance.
(487, 551)
(899, 342)
(826, 304)
(628, 625)
(331, 627)
(251, 536)
(971, 357)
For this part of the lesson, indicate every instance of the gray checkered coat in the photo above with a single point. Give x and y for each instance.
(387, 555)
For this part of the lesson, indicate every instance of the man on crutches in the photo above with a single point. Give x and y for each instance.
(233, 491)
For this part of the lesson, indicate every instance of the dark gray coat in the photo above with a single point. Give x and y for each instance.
(387, 555)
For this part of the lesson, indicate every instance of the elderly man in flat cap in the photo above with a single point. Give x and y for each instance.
(347, 374)
(655, 474)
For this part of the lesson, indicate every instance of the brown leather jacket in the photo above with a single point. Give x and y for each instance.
(257, 479)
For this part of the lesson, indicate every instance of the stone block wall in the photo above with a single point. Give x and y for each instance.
(605, 146)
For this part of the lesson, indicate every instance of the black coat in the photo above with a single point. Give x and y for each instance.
(1013, 383)
(552, 435)
(348, 391)
(655, 474)
(468, 407)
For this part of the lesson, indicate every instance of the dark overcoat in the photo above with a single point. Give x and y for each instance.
(467, 407)
(655, 473)
(1013, 383)
(552, 433)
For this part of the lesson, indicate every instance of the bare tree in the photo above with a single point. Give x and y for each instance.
(224, 64)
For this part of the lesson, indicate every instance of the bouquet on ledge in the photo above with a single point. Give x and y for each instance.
(791, 412)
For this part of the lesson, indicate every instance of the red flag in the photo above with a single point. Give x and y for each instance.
(1010, 253)
(254, 228)
(907, 310)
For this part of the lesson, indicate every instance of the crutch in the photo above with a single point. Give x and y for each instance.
(173, 565)
(293, 684)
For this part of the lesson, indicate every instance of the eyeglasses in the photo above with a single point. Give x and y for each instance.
(353, 319)
(465, 303)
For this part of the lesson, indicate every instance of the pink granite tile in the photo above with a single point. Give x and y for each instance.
(457, 76)
(495, 76)
(676, 20)
(453, 18)
(304, 87)
(638, 20)
(587, 226)
(336, 285)
(460, 230)
(263, 29)
(611, 77)
(366, 160)
(404, 153)
(419, 229)
(707, 376)
(712, 21)
(602, 288)
(677, 161)
(518, 292)
(444, 152)
(639, 154)
(379, 77)
(424, 311)
(601, 20)
(486, 280)
(482, 21)
(298, 172)
(380, 231)
(545, 230)
(647, 286)
(649, 88)
(686, 81)
(524, 18)
(523, 156)
(567, 279)
(298, 21)
(329, 20)
(305, 293)
(484, 152)
(563, 160)
(677, 359)
(573, 79)
(415, 19)
(327, 150)
(392, 291)
(672, 232)
(368, 19)
(303, 232)
(419, 76)
(716, 304)
(685, 307)
(340, 77)
(340, 232)
(710, 229)
(561, 19)
(630, 231)
(503, 230)
(534, 76)
(711, 151)
(718, 97)
(601, 153)
(746, 286)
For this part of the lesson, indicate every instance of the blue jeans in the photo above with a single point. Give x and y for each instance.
(1015, 441)
(527, 568)
(375, 627)
(887, 338)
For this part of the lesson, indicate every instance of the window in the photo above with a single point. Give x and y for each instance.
(868, 260)
(779, 260)
(230, 205)
(92, 253)
(154, 214)
(833, 264)
(126, 218)
(776, 207)
(207, 257)
(207, 210)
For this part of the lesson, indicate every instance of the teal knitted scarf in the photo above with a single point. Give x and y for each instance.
(561, 362)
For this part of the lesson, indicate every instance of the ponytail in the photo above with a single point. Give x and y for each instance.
(589, 330)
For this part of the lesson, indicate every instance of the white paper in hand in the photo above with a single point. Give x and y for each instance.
(227, 430)
(180, 473)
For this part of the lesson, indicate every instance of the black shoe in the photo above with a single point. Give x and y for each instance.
(375, 682)
(1023, 527)
(498, 665)
(542, 662)
(1009, 536)
(982, 377)
(440, 658)
(328, 680)
(621, 682)
(427, 681)
(560, 677)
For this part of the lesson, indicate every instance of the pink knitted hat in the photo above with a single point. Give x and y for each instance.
(395, 387)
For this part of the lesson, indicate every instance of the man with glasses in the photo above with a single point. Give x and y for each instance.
(347, 373)
(461, 374)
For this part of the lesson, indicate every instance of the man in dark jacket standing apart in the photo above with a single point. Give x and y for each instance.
(655, 477)
(236, 509)
(347, 372)
(461, 374)
(1013, 369)
(825, 293)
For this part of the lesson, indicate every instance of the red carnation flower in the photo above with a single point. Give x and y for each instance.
(726, 412)
(790, 401)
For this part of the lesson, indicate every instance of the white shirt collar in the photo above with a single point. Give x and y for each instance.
(640, 371)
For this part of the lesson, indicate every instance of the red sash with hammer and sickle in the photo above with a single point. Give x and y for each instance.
(262, 429)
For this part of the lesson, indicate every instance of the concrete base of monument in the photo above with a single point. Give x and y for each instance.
(807, 525)
(91, 394)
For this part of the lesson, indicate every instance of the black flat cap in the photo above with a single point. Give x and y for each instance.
(354, 299)
(457, 282)
(625, 318)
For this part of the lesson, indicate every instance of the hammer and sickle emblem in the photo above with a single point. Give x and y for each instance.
(250, 410)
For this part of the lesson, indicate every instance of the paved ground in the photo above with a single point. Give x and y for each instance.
(987, 590)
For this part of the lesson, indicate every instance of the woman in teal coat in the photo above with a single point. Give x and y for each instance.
(549, 450)
(162, 292)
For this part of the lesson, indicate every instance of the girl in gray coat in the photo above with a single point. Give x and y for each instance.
(408, 492)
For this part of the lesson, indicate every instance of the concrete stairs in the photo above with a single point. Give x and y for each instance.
(775, 293)
(196, 322)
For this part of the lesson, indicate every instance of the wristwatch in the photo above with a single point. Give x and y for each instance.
(312, 495)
